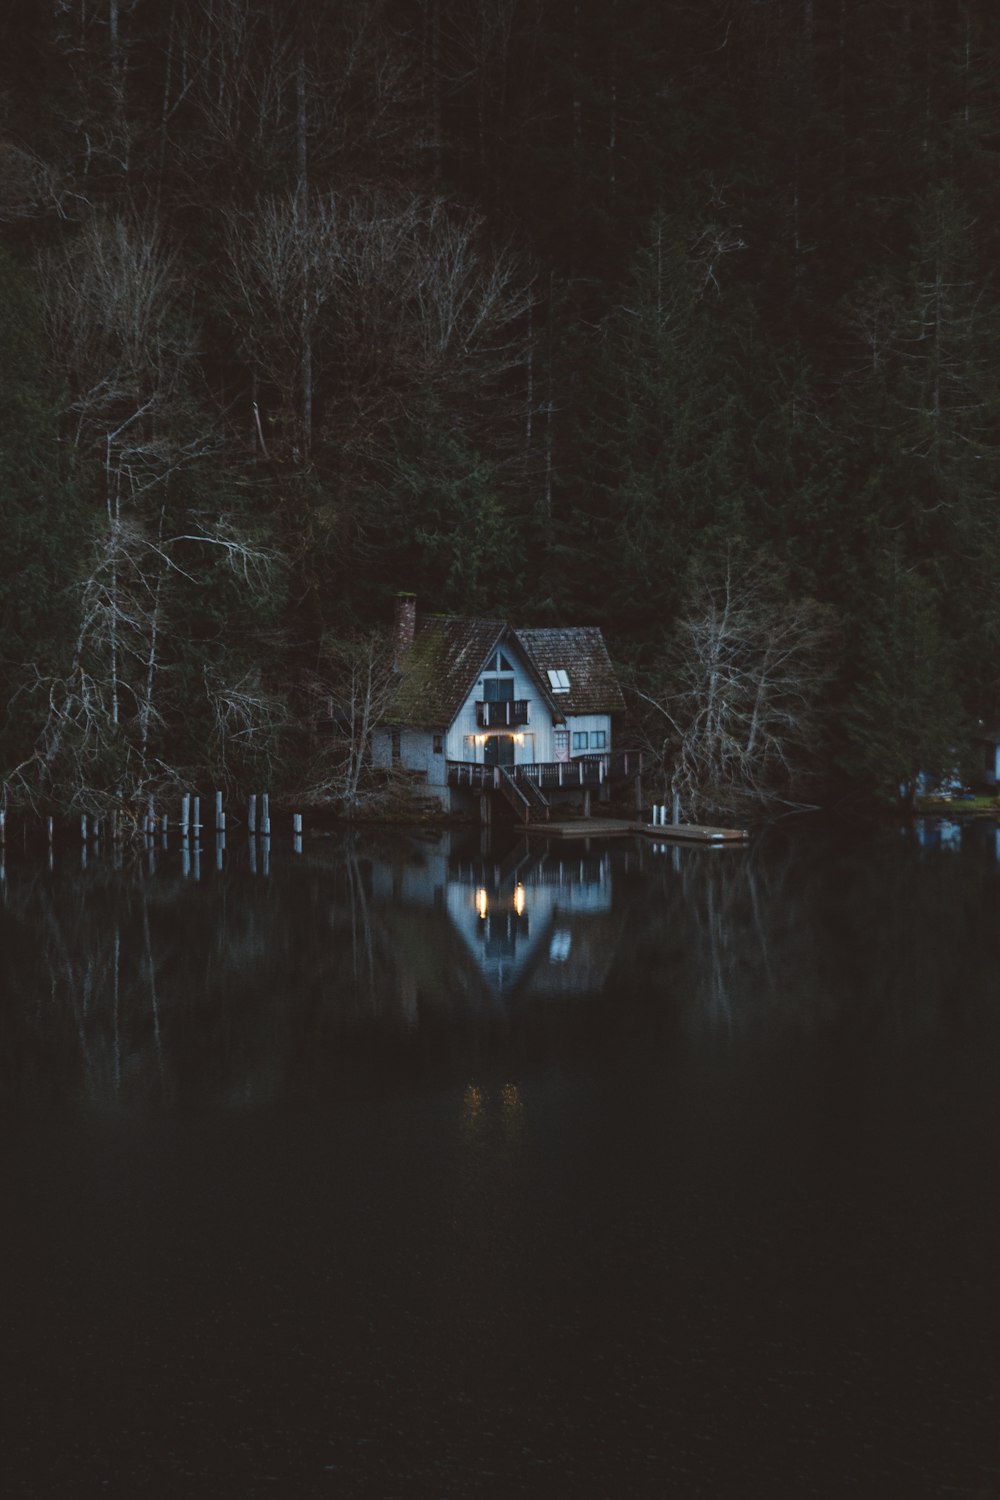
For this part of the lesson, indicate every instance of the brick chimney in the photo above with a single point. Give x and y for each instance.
(405, 625)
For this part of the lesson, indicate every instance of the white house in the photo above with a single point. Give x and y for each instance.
(482, 706)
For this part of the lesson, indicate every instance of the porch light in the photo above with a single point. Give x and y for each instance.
(482, 903)
(519, 899)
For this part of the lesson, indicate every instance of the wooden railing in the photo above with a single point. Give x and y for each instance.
(585, 771)
(503, 714)
(517, 796)
(539, 803)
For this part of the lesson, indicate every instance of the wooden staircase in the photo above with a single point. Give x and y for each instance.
(529, 804)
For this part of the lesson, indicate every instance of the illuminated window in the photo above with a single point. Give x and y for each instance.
(558, 680)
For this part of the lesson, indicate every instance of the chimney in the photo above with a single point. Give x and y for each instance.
(405, 625)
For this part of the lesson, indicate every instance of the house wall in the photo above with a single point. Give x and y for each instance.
(462, 742)
(416, 753)
(591, 725)
(533, 741)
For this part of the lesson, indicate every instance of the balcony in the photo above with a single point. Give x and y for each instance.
(503, 715)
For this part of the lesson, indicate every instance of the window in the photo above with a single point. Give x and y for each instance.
(598, 739)
(498, 663)
(579, 739)
(558, 679)
(438, 743)
(396, 748)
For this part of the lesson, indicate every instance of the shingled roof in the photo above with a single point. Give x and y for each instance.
(580, 652)
(438, 670)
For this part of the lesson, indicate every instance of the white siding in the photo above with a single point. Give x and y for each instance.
(533, 741)
(589, 724)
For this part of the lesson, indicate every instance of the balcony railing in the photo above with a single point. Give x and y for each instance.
(502, 715)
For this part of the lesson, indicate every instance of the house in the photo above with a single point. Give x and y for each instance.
(483, 708)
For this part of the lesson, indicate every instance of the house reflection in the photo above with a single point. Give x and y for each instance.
(537, 922)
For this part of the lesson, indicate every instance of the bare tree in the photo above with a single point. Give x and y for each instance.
(120, 342)
(732, 715)
(375, 301)
(350, 692)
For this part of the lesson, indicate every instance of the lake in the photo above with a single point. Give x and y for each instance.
(411, 1166)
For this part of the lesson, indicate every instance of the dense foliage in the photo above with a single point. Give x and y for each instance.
(533, 306)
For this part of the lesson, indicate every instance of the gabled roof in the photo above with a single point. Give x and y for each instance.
(580, 652)
(440, 668)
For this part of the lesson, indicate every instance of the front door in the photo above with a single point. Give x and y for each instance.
(498, 750)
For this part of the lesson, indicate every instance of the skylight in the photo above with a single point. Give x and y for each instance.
(558, 680)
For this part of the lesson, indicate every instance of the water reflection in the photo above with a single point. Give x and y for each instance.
(247, 978)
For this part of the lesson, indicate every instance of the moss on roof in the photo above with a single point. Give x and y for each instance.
(437, 672)
(438, 669)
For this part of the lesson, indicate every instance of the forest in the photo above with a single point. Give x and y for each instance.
(675, 317)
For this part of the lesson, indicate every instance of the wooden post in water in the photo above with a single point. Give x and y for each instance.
(252, 814)
(265, 815)
(297, 831)
(675, 811)
(185, 814)
(51, 830)
(83, 828)
(3, 829)
(220, 817)
(196, 816)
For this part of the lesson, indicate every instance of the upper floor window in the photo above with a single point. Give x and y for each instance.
(438, 744)
(558, 679)
(498, 663)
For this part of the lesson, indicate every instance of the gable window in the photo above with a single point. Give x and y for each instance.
(498, 663)
(438, 744)
(498, 690)
(579, 739)
(558, 679)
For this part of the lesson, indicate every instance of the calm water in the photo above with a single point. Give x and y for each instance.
(398, 1169)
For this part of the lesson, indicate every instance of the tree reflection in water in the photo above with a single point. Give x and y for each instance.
(143, 983)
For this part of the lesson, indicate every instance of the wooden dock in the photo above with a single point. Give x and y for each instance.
(609, 828)
(695, 833)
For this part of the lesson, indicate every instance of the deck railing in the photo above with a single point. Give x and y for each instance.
(584, 771)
